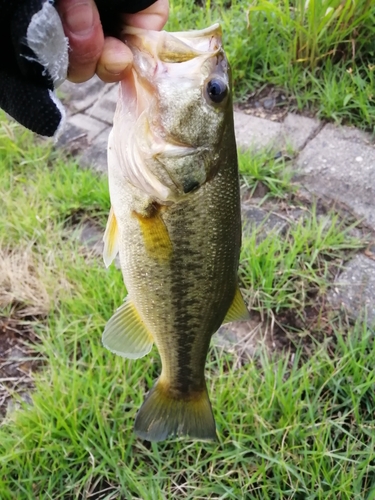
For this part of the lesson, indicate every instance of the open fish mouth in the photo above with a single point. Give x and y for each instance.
(177, 47)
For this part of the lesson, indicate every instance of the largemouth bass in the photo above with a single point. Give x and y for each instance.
(175, 220)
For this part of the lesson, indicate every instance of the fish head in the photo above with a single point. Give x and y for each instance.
(173, 109)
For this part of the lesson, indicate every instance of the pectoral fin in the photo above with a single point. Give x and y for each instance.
(125, 333)
(155, 235)
(111, 239)
(238, 310)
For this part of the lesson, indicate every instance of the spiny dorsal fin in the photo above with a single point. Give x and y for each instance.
(125, 333)
(111, 239)
(238, 310)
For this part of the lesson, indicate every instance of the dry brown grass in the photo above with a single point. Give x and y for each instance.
(29, 285)
(22, 287)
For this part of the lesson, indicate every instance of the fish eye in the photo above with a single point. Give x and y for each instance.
(217, 90)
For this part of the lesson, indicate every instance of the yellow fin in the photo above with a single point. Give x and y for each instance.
(155, 235)
(125, 333)
(111, 239)
(238, 310)
(163, 415)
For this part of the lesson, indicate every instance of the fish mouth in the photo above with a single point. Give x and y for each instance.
(175, 47)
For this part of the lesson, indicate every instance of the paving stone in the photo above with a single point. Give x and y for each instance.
(95, 155)
(256, 133)
(240, 337)
(104, 109)
(339, 163)
(297, 129)
(262, 221)
(87, 125)
(354, 289)
(91, 235)
(112, 94)
(73, 139)
(80, 96)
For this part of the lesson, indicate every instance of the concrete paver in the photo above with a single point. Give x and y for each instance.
(298, 130)
(95, 156)
(263, 222)
(339, 163)
(79, 97)
(355, 289)
(256, 133)
(88, 125)
(104, 108)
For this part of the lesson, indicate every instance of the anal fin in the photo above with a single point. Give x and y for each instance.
(125, 334)
(238, 310)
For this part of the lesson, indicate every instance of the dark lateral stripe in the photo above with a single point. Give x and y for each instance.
(187, 262)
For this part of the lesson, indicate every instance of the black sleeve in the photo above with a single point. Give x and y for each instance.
(34, 58)
(109, 12)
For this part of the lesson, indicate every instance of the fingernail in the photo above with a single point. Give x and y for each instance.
(116, 68)
(80, 19)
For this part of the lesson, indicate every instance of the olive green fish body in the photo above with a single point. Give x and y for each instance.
(183, 297)
(179, 251)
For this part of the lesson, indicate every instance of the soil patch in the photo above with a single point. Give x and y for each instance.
(24, 302)
(17, 361)
(268, 102)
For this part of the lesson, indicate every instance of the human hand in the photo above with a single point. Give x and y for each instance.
(36, 57)
(93, 52)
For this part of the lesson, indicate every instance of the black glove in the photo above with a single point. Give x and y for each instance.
(35, 57)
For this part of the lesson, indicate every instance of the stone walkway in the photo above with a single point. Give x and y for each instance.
(330, 162)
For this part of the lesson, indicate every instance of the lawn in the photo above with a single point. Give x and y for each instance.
(296, 423)
(296, 419)
(319, 53)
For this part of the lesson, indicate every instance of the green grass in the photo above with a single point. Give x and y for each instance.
(321, 52)
(289, 272)
(290, 426)
(55, 194)
(265, 169)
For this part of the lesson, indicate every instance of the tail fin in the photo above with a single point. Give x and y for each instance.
(162, 416)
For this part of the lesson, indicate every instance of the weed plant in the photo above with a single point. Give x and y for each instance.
(265, 169)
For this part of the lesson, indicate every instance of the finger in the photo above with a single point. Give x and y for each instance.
(152, 18)
(81, 23)
(115, 61)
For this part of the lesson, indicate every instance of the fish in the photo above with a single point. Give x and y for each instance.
(175, 220)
